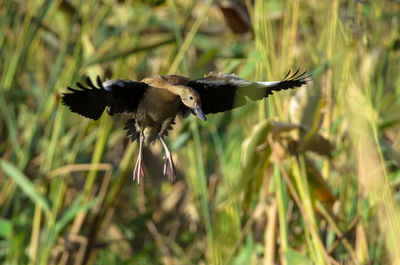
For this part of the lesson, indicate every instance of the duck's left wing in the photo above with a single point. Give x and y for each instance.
(223, 92)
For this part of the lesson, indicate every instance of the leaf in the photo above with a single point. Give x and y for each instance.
(320, 188)
(255, 160)
(320, 145)
(306, 109)
(5, 228)
(257, 136)
(244, 255)
(25, 184)
(284, 127)
(295, 257)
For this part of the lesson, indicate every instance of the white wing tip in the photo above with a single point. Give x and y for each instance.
(268, 84)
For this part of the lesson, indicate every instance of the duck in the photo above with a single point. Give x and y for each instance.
(155, 102)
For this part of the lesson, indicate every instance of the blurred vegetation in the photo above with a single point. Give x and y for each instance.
(310, 176)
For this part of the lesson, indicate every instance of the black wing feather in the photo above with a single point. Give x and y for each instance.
(118, 95)
(221, 93)
(216, 96)
(295, 80)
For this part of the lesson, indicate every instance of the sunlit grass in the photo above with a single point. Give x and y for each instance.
(307, 177)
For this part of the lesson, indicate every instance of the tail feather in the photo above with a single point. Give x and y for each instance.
(131, 131)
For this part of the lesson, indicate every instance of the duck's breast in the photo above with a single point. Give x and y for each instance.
(156, 106)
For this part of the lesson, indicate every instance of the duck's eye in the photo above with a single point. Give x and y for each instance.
(191, 97)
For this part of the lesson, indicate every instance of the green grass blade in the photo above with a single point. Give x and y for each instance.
(25, 184)
(5, 228)
(75, 208)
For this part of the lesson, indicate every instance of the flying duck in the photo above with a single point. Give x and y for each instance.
(155, 101)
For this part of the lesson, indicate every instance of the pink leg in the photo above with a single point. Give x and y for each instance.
(138, 171)
(169, 167)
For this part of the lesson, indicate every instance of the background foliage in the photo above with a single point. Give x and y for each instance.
(307, 177)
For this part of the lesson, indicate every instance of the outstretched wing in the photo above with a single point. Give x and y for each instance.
(227, 91)
(118, 95)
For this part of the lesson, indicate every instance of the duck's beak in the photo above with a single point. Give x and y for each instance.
(199, 112)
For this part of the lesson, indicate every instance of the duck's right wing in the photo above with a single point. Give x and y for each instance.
(117, 95)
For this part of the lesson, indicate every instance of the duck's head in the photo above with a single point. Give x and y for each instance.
(192, 100)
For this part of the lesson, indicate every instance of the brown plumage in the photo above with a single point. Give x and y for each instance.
(155, 101)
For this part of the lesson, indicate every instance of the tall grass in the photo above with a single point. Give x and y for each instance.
(309, 176)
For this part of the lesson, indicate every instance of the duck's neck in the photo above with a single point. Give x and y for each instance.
(177, 90)
(163, 83)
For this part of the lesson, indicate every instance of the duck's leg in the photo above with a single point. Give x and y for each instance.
(138, 171)
(169, 166)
